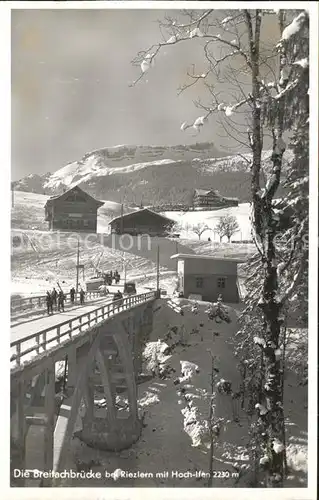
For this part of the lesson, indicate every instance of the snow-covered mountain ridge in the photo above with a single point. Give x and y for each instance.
(149, 173)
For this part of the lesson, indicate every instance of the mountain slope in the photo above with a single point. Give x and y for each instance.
(151, 175)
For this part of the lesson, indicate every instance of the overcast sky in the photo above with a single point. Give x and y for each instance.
(71, 71)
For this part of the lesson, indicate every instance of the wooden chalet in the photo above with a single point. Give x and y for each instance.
(74, 210)
(210, 198)
(143, 221)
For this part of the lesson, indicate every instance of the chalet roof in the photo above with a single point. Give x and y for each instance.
(138, 212)
(230, 198)
(74, 188)
(184, 256)
(205, 192)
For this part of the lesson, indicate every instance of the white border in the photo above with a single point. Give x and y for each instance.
(5, 157)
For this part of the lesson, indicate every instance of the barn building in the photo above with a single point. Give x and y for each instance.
(208, 277)
(143, 221)
(74, 210)
(210, 198)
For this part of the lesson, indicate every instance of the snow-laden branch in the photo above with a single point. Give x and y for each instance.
(230, 109)
(234, 44)
(294, 27)
(287, 89)
(282, 298)
(146, 58)
(196, 21)
(195, 79)
(303, 63)
(296, 238)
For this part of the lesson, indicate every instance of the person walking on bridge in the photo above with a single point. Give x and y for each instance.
(117, 277)
(61, 298)
(49, 303)
(54, 296)
(82, 294)
(72, 294)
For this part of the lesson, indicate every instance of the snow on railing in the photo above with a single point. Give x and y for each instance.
(68, 329)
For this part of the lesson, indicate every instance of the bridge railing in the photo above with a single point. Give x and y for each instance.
(40, 342)
(39, 301)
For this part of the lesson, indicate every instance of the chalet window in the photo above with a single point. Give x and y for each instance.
(75, 197)
(86, 223)
(199, 282)
(221, 282)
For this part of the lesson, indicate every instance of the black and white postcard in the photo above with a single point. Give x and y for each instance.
(160, 193)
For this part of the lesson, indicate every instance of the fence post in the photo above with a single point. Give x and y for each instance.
(70, 328)
(44, 341)
(58, 330)
(80, 321)
(38, 343)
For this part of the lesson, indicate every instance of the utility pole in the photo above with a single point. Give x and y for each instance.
(77, 268)
(157, 269)
(176, 248)
(122, 224)
(124, 267)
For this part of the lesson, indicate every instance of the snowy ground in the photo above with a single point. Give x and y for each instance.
(166, 443)
(189, 219)
(46, 257)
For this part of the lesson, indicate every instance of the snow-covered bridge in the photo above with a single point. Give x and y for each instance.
(100, 350)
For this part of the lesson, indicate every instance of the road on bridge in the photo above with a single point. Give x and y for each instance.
(23, 330)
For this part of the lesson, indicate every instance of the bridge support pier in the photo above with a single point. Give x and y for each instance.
(88, 391)
(49, 407)
(115, 432)
(72, 369)
(18, 438)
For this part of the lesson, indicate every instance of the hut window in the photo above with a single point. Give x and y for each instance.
(199, 282)
(221, 282)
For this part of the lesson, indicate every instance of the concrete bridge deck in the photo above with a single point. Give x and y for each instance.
(20, 331)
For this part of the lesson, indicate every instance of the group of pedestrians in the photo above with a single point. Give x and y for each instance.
(111, 276)
(72, 295)
(55, 300)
